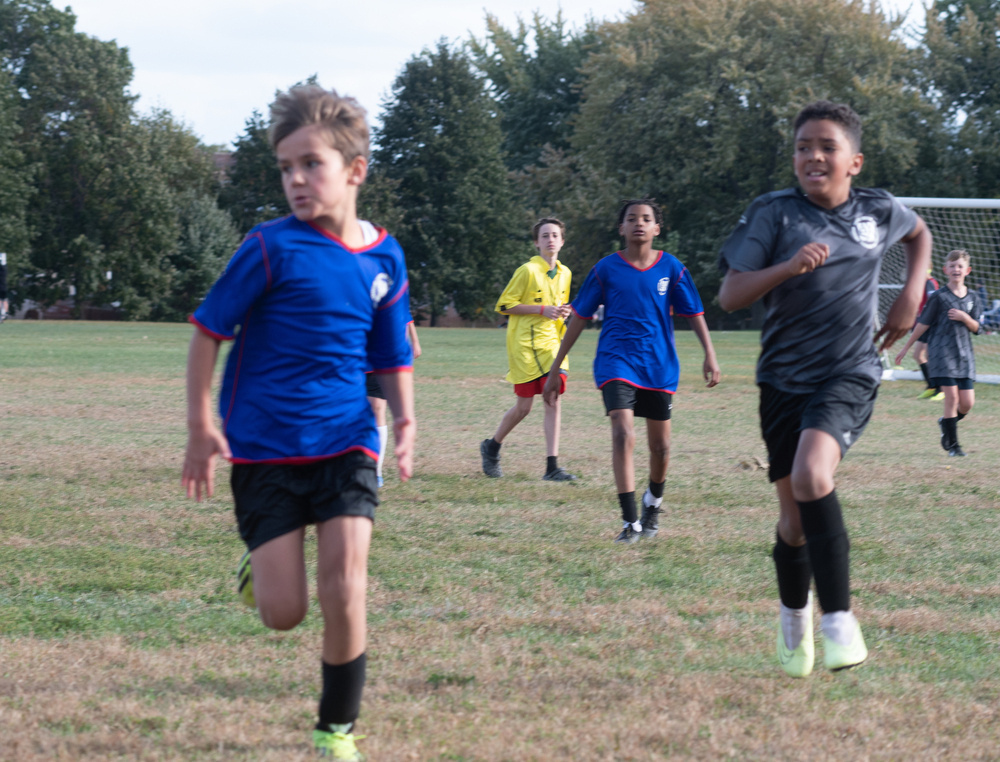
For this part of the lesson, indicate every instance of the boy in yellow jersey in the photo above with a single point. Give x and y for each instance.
(536, 299)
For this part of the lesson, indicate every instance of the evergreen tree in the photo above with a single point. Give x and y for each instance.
(441, 142)
(252, 192)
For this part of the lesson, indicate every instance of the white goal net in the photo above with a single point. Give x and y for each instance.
(956, 223)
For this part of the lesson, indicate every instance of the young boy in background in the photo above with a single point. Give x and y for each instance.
(813, 254)
(319, 296)
(952, 315)
(536, 301)
(636, 366)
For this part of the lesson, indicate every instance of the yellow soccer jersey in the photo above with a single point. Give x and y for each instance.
(533, 340)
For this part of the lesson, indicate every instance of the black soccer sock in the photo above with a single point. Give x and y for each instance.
(950, 427)
(493, 446)
(960, 417)
(791, 562)
(551, 463)
(927, 376)
(656, 488)
(829, 551)
(627, 501)
(343, 684)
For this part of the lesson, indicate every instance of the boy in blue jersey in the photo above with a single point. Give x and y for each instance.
(814, 254)
(312, 300)
(636, 366)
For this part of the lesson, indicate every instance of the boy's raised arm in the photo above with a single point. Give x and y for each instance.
(741, 289)
(205, 441)
(398, 389)
(903, 311)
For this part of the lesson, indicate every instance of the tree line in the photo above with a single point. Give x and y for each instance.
(686, 101)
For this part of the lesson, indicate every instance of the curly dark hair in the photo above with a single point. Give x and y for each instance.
(651, 203)
(838, 113)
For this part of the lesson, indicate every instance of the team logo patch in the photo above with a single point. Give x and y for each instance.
(865, 231)
(847, 438)
(661, 286)
(380, 287)
(968, 305)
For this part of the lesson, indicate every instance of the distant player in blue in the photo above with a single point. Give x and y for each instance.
(636, 366)
(311, 300)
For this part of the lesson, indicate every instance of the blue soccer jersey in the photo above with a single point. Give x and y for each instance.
(637, 336)
(309, 315)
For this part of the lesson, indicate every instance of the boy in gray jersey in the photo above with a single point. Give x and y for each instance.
(954, 313)
(814, 254)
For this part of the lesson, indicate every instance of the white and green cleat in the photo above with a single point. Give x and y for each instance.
(337, 745)
(843, 644)
(244, 581)
(798, 661)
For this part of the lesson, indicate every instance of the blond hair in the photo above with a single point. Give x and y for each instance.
(341, 117)
(958, 254)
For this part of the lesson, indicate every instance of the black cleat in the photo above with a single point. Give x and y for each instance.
(491, 463)
(956, 452)
(559, 475)
(629, 535)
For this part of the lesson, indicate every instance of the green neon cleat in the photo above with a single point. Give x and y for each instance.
(244, 581)
(335, 745)
(837, 656)
(926, 394)
(798, 662)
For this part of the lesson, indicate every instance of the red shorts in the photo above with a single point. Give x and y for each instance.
(531, 388)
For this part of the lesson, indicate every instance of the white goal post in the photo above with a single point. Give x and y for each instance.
(956, 223)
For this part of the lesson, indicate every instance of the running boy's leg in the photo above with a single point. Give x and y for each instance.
(796, 650)
(553, 420)
(342, 577)
(816, 459)
(279, 580)
(489, 449)
(658, 439)
(622, 449)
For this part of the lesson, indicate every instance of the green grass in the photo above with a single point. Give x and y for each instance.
(504, 624)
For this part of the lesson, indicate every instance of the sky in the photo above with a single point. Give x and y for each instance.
(212, 62)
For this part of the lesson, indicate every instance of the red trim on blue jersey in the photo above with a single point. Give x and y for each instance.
(326, 233)
(402, 290)
(267, 260)
(641, 269)
(400, 369)
(208, 332)
(303, 459)
(635, 385)
(579, 315)
(239, 364)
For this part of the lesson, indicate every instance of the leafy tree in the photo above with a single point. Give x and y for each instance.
(253, 193)
(15, 186)
(962, 42)
(536, 84)
(441, 143)
(691, 102)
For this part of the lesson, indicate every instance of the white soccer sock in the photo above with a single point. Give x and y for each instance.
(794, 623)
(648, 501)
(839, 626)
(383, 437)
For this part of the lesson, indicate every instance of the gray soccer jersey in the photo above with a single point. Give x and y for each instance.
(949, 350)
(818, 325)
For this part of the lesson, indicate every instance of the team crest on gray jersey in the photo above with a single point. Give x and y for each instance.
(380, 287)
(865, 231)
(661, 286)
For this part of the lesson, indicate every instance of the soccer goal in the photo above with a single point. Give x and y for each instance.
(956, 223)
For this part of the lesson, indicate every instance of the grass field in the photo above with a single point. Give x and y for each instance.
(504, 624)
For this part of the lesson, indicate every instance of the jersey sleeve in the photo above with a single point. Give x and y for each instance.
(247, 277)
(750, 246)
(389, 348)
(513, 294)
(929, 315)
(684, 296)
(902, 221)
(590, 296)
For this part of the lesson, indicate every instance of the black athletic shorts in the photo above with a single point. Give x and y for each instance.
(841, 407)
(965, 384)
(273, 499)
(644, 403)
(372, 387)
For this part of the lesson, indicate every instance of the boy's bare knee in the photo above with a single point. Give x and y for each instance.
(283, 616)
(808, 485)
